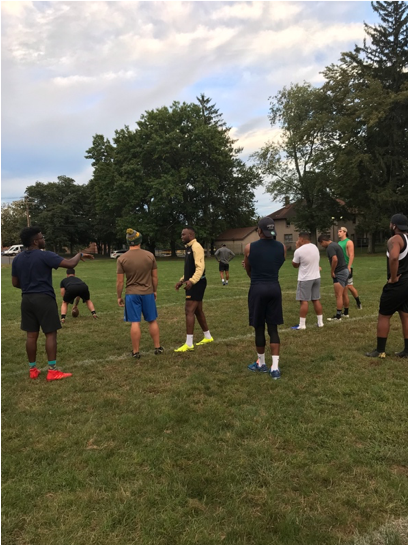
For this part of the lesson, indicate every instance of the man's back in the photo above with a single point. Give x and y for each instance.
(224, 254)
(308, 257)
(266, 257)
(71, 282)
(137, 265)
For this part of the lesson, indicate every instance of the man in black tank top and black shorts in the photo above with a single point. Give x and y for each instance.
(262, 261)
(394, 297)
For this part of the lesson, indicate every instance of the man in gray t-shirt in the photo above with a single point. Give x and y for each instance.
(224, 255)
(339, 271)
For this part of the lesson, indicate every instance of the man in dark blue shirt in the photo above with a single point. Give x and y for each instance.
(262, 261)
(32, 273)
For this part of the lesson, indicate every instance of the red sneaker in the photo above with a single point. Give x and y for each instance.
(56, 374)
(34, 372)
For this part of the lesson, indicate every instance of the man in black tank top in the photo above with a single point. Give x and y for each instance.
(394, 297)
(262, 261)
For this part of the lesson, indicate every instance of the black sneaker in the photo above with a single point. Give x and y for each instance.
(159, 350)
(334, 319)
(359, 306)
(375, 354)
(403, 354)
(136, 355)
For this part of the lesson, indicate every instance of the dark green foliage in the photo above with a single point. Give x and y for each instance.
(62, 210)
(13, 220)
(296, 163)
(368, 90)
(178, 167)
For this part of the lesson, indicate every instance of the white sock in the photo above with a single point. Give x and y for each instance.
(223, 281)
(189, 341)
(275, 363)
(226, 281)
(302, 322)
(261, 359)
(320, 320)
(207, 334)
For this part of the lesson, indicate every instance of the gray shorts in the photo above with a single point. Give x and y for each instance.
(342, 278)
(308, 290)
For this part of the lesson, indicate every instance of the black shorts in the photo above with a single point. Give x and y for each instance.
(39, 310)
(265, 304)
(394, 298)
(197, 291)
(223, 267)
(78, 291)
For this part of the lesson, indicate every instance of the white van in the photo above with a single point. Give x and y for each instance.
(14, 250)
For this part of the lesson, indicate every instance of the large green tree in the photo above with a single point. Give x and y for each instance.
(105, 206)
(13, 220)
(179, 166)
(368, 91)
(294, 164)
(62, 210)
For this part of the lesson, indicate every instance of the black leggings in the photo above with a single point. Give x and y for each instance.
(260, 339)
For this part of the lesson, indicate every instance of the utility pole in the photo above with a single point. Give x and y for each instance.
(27, 204)
(27, 212)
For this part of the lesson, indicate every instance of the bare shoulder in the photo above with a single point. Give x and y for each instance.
(395, 241)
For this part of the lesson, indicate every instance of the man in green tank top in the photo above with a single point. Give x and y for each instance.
(347, 246)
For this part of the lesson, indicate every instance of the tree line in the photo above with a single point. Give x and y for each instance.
(341, 152)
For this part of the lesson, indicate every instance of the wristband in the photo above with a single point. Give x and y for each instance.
(82, 255)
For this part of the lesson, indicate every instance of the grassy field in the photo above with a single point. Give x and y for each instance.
(193, 448)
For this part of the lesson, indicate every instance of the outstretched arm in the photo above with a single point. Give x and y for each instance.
(73, 262)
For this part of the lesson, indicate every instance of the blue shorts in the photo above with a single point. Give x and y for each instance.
(136, 304)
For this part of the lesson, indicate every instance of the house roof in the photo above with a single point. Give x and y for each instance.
(286, 212)
(236, 234)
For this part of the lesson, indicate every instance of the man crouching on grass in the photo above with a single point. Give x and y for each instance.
(31, 272)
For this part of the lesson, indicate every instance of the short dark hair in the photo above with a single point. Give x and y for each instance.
(70, 271)
(190, 228)
(325, 238)
(27, 235)
(305, 234)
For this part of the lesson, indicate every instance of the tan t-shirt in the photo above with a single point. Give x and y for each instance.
(137, 265)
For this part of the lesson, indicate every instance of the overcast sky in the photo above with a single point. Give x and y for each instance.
(71, 70)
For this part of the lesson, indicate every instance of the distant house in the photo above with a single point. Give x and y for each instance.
(237, 239)
(287, 233)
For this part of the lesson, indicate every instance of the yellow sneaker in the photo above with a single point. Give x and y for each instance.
(205, 341)
(184, 348)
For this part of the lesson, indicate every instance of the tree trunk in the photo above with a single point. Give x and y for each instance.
(173, 248)
(371, 243)
(212, 247)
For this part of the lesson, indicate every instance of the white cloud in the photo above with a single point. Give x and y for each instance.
(73, 69)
